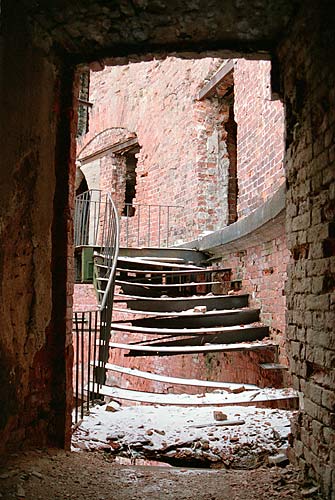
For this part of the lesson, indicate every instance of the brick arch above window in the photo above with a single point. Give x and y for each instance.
(114, 140)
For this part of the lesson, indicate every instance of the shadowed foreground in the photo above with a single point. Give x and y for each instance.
(51, 475)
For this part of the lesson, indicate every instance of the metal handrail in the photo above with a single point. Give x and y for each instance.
(139, 223)
(148, 224)
(87, 218)
(96, 224)
(110, 244)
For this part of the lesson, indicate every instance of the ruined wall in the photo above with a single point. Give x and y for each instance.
(185, 143)
(155, 100)
(258, 154)
(308, 81)
(33, 263)
(260, 135)
(259, 261)
(307, 78)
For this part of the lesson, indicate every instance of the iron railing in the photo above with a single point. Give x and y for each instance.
(140, 224)
(149, 225)
(86, 326)
(88, 218)
(105, 262)
(96, 224)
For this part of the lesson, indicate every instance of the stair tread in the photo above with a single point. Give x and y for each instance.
(178, 299)
(186, 313)
(181, 272)
(167, 285)
(183, 331)
(227, 338)
(164, 259)
(243, 346)
(208, 399)
(154, 263)
(180, 303)
(228, 386)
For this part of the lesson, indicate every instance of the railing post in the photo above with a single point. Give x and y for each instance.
(138, 224)
(167, 225)
(159, 226)
(149, 206)
(127, 223)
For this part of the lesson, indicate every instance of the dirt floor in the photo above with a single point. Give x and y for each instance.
(54, 474)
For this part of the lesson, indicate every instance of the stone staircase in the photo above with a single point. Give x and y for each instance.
(179, 329)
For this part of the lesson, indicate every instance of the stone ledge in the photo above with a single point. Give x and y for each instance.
(263, 224)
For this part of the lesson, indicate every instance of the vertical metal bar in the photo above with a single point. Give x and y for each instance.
(95, 351)
(84, 217)
(82, 367)
(89, 359)
(127, 224)
(76, 367)
(159, 226)
(149, 206)
(138, 224)
(167, 225)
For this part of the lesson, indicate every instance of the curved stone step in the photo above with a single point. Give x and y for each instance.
(231, 335)
(133, 262)
(187, 331)
(180, 272)
(157, 350)
(177, 304)
(226, 386)
(186, 254)
(228, 317)
(155, 289)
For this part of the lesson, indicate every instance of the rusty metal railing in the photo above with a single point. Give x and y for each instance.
(149, 224)
(140, 224)
(86, 326)
(88, 218)
(98, 225)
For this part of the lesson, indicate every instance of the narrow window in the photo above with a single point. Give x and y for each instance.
(231, 141)
(130, 191)
(84, 104)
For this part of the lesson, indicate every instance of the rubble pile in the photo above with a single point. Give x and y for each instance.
(236, 437)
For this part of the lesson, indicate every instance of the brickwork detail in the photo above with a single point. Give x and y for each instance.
(187, 156)
(260, 135)
(308, 78)
(262, 271)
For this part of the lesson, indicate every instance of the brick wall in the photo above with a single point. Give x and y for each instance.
(186, 148)
(261, 267)
(308, 82)
(260, 135)
(155, 100)
(84, 298)
(36, 252)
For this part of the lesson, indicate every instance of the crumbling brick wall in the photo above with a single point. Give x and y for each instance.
(309, 93)
(184, 156)
(155, 100)
(261, 267)
(36, 254)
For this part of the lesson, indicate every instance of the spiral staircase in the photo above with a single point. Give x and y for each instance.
(158, 303)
